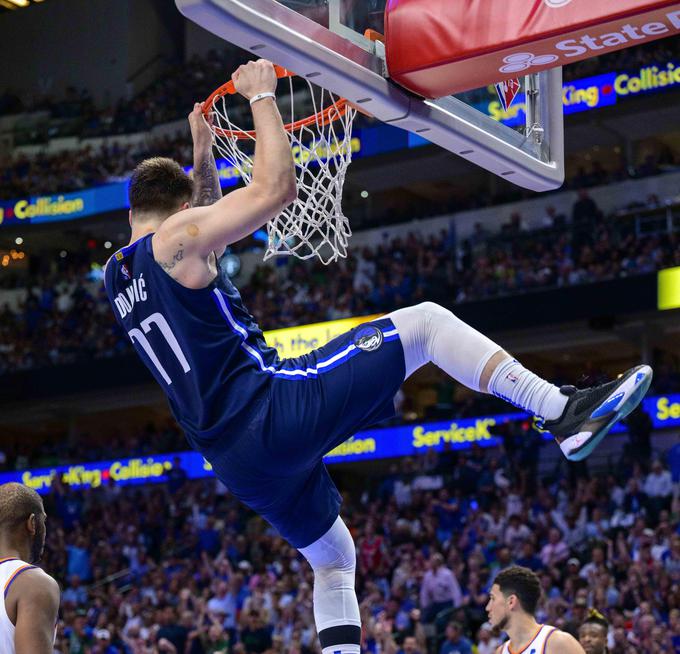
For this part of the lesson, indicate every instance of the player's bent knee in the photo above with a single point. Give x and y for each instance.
(434, 311)
(436, 318)
(342, 566)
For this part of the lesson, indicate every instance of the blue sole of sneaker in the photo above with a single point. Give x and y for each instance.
(625, 409)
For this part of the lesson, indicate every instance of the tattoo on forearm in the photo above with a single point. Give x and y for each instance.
(178, 256)
(207, 189)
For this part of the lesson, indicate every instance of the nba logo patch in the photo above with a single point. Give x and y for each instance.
(126, 271)
(507, 92)
(512, 377)
(368, 338)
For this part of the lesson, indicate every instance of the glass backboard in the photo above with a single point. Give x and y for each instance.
(323, 41)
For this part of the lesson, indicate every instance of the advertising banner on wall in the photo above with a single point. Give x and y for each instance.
(386, 443)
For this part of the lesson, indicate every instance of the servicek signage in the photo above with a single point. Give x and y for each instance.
(405, 440)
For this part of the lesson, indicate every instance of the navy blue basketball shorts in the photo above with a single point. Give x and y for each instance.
(316, 402)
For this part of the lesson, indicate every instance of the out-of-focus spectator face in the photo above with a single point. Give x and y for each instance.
(504, 556)
(453, 632)
(410, 645)
(593, 638)
(646, 624)
(188, 619)
(215, 633)
(254, 620)
(484, 634)
(580, 608)
(168, 615)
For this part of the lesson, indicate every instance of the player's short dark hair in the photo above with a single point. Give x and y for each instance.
(523, 583)
(17, 503)
(159, 185)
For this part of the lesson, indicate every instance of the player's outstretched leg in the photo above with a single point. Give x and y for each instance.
(578, 419)
(336, 609)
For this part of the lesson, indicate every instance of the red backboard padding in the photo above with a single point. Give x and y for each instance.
(440, 47)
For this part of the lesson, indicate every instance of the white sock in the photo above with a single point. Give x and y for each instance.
(429, 332)
(512, 382)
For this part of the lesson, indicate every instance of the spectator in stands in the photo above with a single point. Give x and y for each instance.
(555, 551)
(585, 211)
(487, 643)
(256, 637)
(440, 589)
(593, 633)
(455, 642)
(658, 488)
(516, 535)
(410, 646)
(74, 594)
(528, 558)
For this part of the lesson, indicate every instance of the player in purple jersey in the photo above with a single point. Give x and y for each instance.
(265, 423)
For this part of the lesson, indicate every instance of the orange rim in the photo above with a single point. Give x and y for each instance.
(322, 118)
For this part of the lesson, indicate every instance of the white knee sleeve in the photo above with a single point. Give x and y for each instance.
(429, 332)
(336, 610)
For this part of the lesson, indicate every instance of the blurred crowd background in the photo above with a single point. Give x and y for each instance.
(180, 567)
(64, 316)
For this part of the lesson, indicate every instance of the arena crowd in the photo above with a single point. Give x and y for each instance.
(181, 567)
(170, 98)
(65, 318)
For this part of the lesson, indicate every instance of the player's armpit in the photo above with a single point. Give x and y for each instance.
(37, 600)
(202, 230)
(560, 642)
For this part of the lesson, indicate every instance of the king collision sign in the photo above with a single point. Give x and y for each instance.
(390, 442)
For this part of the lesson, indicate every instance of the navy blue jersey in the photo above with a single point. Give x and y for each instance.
(202, 346)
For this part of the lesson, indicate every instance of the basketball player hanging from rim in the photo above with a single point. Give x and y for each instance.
(265, 423)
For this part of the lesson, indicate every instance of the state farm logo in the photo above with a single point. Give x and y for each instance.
(556, 4)
(595, 42)
(520, 61)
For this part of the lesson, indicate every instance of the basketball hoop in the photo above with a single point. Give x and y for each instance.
(314, 225)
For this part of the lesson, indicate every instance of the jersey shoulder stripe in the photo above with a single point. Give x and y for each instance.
(547, 638)
(15, 574)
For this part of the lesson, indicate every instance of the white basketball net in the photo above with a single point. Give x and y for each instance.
(314, 225)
